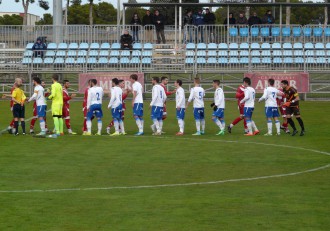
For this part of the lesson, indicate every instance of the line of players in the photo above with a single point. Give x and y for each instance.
(92, 106)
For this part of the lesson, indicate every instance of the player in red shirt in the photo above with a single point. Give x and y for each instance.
(280, 102)
(124, 96)
(35, 113)
(164, 82)
(66, 106)
(85, 107)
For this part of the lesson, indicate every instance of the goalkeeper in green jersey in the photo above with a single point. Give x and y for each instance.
(57, 105)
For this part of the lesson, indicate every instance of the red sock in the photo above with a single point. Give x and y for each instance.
(164, 117)
(245, 125)
(12, 123)
(45, 123)
(285, 125)
(33, 121)
(67, 123)
(111, 124)
(236, 120)
(85, 126)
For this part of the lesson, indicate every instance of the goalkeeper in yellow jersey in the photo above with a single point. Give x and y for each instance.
(57, 105)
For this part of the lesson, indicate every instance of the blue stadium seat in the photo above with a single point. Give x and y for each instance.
(233, 32)
(146, 53)
(319, 46)
(93, 53)
(124, 61)
(287, 53)
(147, 46)
(244, 32)
(265, 53)
(233, 53)
(201, 54)
(298, 53)
(83, 46)
(277, 60)
(307, 31)
(223, 53)
(125, 53)
(134, 61)
(320, 60)
(296, 31)
(255, 53)
(113, 61)
(115, 46)
(81, 61)
(299, 60)
(317, 32)
(264, 31)
(308, 46)
(287, 46)
(244, 60)
(244, 46)
(212, 61)
(146, 61)
(72, 53)
(233, 61)
(28, 53)
(59, 60)
(244, 53)
(310, 60)
(37, 60)
(52, 46)
(233, 46)
(190, 46)
(70, 61)
(49, 60)
(288, 60)
(201, 60)
(327, 32)
(136, 53)
(114, 54)
(60, 54)
(29, 46)
(297, 46)
(201, 46)
(104, 53)
(276, 31)
(94, 46)
(62, 46)
(50, 54)
(190, 53)
(277, 53)
(327, 46)
(255, 46)
(82, 53)
(320, 53)
(137, 46)
(255, 60)
(223, 60)
(223, 46)
(212, 53)
(286, 32)
(266, 60)
(105, 46)
(91, 60)
(265, 46)
(103, 61)
(212, 46)
(276, 46)
(309, 53)
(189, 61)
(254, 31)
(73, 46)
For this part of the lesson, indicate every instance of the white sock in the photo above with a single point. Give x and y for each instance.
(116, 124)
(198, 125)
(181, 125)
(142, 124)
(138, 123)
(156, 125)
(231, 125)
(43, 125)
(69, 130)
(218, 123)
(270, 126)
(249, 125)
(160, 125)
(223, 125)
(203, 124)
(89, 126)
(122, 128)
(153, 126)
(254, 125)
(278, 126)
(99, 126)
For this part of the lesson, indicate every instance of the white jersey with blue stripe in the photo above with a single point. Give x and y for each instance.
(116, 97)
(197, 95)
(219, 98)
(95, 96)
(249, 97)
(270, 95)
(158, 96)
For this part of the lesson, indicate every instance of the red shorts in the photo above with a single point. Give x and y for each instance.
(66, 112)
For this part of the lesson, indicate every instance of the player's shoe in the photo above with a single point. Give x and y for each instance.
(202, 132)
(221, 133)
(16, 134)
(23, 133)
(123, 133)
(287, 131)
(229, 129)
(278, 134)
(249, 134)
(294, 132)
(9, 130)
(197, 134)
(98, 134)
(108, 130)
(302, 133)
(115, 134)
(268, 134)
(41, 134)
(73, 133)
(139, 134)
(61, 134)
(179, 134)
(256, 132)
(87, 134)
(157, 134)
(283, 128)
(153, 128)
(31, 131)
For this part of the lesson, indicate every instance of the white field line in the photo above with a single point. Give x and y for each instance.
(192, 183)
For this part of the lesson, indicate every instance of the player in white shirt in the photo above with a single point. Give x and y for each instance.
(39, 97)
(271, 109)
(219, 107)
(248, 100)
(180, 100)
(94, 107)
(137, 104)
(157, 105)
(116, 105)
(197, 94)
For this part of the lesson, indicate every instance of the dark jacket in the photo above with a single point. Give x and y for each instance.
(254, 20)
(161, 25)
(39, 46)
(232, 21)
(242, 20)
(126, 38)
(209, 19)
(198, 19)
(188, 20)
(135, 22)
(268, 19)
(148, 20)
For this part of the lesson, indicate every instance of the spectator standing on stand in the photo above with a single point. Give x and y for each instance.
(209, 19)
(269, 20)
(147, 22)
(188, 23)
(231, 20)
(135, 22)
(159, 22)
(198, 21)
(242, 20)
(254, 19)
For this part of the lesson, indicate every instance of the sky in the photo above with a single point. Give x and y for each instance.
(12, 6)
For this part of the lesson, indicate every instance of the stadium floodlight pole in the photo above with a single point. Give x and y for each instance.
(228, 24)
(180, 23)
(281, 16)
(118, 18)
(57, 21)
(175, 26)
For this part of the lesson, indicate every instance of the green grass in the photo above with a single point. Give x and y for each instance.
(297, 202)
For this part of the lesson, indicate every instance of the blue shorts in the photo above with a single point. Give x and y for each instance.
(41, 111)
(156, 112)
(138, 109)
(180, 113)
(248, 112)
(199, 113)
(220, 113)
(117, 112)
(95, 110)
(271, 112)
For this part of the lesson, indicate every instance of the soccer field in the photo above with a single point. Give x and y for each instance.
(210, 182)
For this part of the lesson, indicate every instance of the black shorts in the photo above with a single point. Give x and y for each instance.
(293, 110)
(18, 111)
